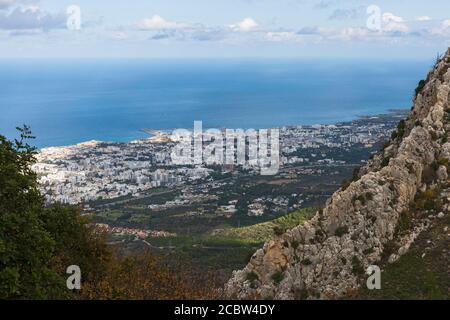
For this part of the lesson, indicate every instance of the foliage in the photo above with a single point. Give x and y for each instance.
(39, 242)
(341, 231)
(428, 200)
(420, 86)
(262, 232)
(149, 277)
(422, 273)
(26, 247)
(277, 277)
(357, 266)
(252, 276)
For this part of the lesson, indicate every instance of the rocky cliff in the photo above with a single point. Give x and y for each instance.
(371, 221)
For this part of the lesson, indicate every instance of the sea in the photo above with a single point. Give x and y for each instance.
(71, 101)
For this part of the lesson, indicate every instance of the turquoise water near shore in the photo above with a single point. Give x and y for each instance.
(67, 102)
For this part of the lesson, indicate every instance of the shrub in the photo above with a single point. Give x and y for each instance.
(394, 135)
(443, 161)
(385, 145)
(345, 185)
(385, 162)
(301, 294)
(434, 135)
(355, 176)
(420, 86)
(306, 262)
(428, 200)
(295, 244)
(404, 221)
(341, 231)
(401, 128)
(277, 277)
(357, 266)
(361, 198)
(278, 230)
(251, 276)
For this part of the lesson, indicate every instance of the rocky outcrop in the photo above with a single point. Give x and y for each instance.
(326, 257)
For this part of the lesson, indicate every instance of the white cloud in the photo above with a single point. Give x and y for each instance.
(279, 36)
(31, 18)
(355, 33)
(158, 23)
(246, 25)
(390, 17)
(443, 30)
(446, 24)
(423, 18)
(394, 23)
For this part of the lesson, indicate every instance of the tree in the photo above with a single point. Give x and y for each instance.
(39, 242)
(25, 245)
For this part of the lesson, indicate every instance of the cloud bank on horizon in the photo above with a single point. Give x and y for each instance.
(224, 28)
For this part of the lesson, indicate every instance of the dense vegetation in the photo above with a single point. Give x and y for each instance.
(422, 273)
(38, 243)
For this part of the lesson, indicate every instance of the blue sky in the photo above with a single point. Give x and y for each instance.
(225, 28)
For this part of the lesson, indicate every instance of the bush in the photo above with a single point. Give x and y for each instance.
(341, 231)
(306, 262)
(38, 243)
(252, 276)
(385, 162)
(428, 200)
(401, 128)
(301, 294)
(278, 231)
(277, 277)
(357, 267)
(345, 185)
(442, 161)
(420, 87)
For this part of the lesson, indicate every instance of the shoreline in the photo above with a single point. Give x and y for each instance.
(159, 135)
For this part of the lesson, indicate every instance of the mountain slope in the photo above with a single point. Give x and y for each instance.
(372, 221)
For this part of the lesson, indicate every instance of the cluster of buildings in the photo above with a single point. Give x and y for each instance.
(141, 234)
(185, 199)
(105, 170)
(316, 138)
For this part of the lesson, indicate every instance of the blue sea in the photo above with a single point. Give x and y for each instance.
(71, 101)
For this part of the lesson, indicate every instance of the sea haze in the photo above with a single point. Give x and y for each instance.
(67, 102)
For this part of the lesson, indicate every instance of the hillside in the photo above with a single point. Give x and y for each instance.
(395, 203)
(423, 272)
(265, 231)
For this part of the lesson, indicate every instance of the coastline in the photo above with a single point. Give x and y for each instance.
(160, 135)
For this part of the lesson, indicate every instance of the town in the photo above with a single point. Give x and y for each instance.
(135, 185)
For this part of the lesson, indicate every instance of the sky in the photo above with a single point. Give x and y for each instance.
(385, 29)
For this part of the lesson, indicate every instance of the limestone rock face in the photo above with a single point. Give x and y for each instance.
(326, 257)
